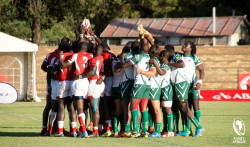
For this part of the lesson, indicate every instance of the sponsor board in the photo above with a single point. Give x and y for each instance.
(244, 81)
(8, 94)
(225, 95)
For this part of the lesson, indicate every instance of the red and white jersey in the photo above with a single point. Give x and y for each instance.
(108, 55)
(65, 74)
(51, 57)
(81, 61)
(96, 61)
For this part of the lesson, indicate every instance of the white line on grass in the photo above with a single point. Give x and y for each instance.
(22, 116)
(158, 142)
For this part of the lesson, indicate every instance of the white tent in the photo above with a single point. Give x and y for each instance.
(24, 53)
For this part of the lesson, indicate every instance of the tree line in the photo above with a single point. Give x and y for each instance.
(46, 20)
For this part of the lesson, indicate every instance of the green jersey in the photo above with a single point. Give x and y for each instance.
(191, 61)
(177, 74)
(129, 71)
(155, 81)
(166, 78)
(141, 61)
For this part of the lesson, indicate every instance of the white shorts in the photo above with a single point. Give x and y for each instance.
(108, 85)
(64, 89)
(54, 84)
(95, 90)
(167, 103)
(80, 87)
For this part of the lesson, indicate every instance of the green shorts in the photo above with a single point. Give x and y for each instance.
(167, 93)
(140, 91)
(181, 91)
(126, 89)
(116, 93)
(155, 94)
(193, 94)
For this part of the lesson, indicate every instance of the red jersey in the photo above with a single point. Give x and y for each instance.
(66, 73)
(109, 56)
(51, 56)
(96, 61)
(81, 61)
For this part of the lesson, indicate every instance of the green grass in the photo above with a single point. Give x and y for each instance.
(20, 125)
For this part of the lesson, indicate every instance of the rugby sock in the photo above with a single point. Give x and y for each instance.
(135, 117)
(116, 123)
(157, 127)
(52, 120)
(95, 130)
(189, 125)
(196, 123)
(144, 121)
(73, 126)
(184, 126)
(127, 128)
(81, 118)
(60, 126)
(170, 120)
(139, 127)
(165, 122)
(108, 125)
(176, 117)
(197, 115)
(151, 122)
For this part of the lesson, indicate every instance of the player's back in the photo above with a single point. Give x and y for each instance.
(98, 62)
(80, 61)
(66, 73)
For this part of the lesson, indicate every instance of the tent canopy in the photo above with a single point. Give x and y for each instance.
(25, 53)
(10, 43)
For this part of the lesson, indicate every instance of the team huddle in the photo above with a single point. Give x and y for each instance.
(143, 88)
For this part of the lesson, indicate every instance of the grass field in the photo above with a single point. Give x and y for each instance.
(20, 125)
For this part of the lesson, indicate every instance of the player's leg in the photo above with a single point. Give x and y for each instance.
(196, 104)
(53, 115)
(79, 91)
(135, 115)
(151, 118)
(137, 97)
(94, 105)
(167, 101)
(154, 96)
(107, 98)
(94, 93)
(144, 112)
(116, 94)
(46, 111)
(190, 115)
(126, 89)
(101, 124)
(60, 117)
(72, 117)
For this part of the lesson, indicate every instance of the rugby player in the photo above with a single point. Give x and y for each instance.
(140, 91)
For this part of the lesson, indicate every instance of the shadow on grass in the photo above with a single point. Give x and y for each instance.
(20, 134)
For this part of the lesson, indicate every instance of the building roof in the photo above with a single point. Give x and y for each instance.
(164, 27)
(10, 43)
